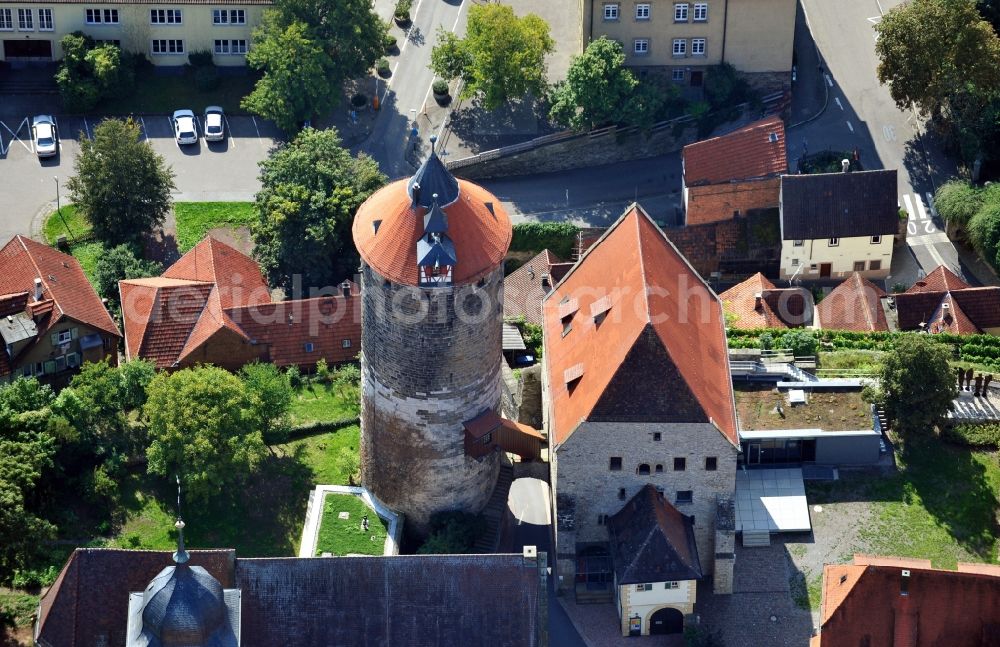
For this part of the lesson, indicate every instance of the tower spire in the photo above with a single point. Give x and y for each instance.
(181, 556)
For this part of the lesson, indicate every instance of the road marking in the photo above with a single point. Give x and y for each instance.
(839, 104)
(922, 213)
(874, 20)
(423, 106)
(87, 126)
(889, 133)
(145, 133)
(229, 130)
(829, 81)
(406, 41)
(255, 126)
(930, 239)
(909, 206)
(850, 127)
(24, 122)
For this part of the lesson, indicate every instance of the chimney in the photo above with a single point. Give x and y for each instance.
(416, 194)
(904, 583)
(757, 298)
(345, 289)
(38, 288)
(845, 165)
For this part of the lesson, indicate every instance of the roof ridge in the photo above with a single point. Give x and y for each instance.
(39, 273)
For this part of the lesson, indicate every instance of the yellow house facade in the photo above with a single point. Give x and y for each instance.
(165, 33)
(682, 39)
(655, 607)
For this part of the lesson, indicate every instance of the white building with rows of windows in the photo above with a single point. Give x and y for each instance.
(165, 32)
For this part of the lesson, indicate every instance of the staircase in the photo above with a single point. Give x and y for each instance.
(755, 538)
(495, 510)
(36, 78)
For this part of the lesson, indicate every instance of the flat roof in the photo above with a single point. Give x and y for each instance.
(803, 433)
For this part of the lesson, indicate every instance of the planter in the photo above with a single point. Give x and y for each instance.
(442, 99)
(403, 21)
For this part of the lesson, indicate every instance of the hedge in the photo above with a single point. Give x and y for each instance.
(321, 426)
(985, 435)
(979, 349)
(558, 237)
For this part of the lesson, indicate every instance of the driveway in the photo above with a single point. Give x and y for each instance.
(219, 171)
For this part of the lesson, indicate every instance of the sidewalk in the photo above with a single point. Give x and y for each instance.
(809, 91)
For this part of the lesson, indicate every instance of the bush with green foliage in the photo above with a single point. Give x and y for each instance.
(557, 237)
(270, 394)
(402, 10)
(800, 342)
(984, 231)
(980, 436)
(440, 87)
(957, 201)
(90, 72)
(117, 264)
(453, 533)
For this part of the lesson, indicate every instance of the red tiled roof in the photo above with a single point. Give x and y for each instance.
(741, 155)
(778, 307)
(236, 275)
(159, 315)
(940, 279)
(656, 298)
(855, 304)
(873, 601)
(477, 225)
(969, 310)
(63, 281)
(522, 288)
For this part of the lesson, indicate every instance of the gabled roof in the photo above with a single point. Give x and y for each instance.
(839, 205)
(236, 275)
(159, 316)
(651, 541)
(63, 281)
(777, 307)
(945, 303)
(633, 306)
(940, 279)
(523, 290)
(903, 602)
(754, 151)
(855, 304)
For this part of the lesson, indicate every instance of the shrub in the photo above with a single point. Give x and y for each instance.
(201, 58)
(957, 201)
(206, 78)
(389, 42)
(402, 11)
(382, 66)
(453, 533)
(800, 342)
(984, 230)
(982, 436)
(558, 237)
(359, 100)
(440, 86)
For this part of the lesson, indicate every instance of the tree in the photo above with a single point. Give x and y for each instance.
(307, 49)
(117, 264)
(800, 342)
(597, 89)
(501, 57)
(916, 385)
(453, 533)
(200, 428)
(957, 201)
(90, 72)
(984, 231)
(310, 190)
(122, 187)
(270, 394)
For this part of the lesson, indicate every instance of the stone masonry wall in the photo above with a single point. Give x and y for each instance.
(591, 488)
(715, 202)
(430, 360)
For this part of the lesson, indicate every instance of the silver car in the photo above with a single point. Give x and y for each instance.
(185, 130)
(45, 135)
(214, 124)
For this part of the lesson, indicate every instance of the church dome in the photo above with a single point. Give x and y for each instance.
(391, 224)
(184, 606)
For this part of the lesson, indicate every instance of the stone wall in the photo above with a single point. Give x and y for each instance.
(715, 202)
(725, 546)
(430, 360)
(587, 485)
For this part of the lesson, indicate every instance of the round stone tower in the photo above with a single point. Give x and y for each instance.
(432, 250)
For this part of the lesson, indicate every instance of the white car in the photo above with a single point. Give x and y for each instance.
(45, 134)
(214, 124)
(185, 130)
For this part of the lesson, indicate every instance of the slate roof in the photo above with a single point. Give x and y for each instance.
(646, 334)
(523, 291)
(864, 603)
(839, 205)
(433, 179)
(216, 290)
(478, 227)
(946, 303)
(855, 304)
(418, 600)
(743, 154)
(651, 541)
(778, 307)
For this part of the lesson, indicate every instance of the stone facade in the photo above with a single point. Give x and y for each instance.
(725, 546)
(715, 202)
(430, 360)
(585, 484)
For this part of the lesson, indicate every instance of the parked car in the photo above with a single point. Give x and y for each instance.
(214, 124)
(185, 130)
(45, 135)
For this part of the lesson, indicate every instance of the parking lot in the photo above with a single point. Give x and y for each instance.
(225, 170)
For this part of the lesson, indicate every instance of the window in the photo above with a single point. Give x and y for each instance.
(697, 47)
(657, 436)
(680, 47)
(795, 262)
(874, 265)
(684, 496)
(229, 16)
(641, 46)
(677, 75)
(681, 12)
(26, 371)
(24, 20)
(642, 12)
(680, 463)
(165, 16)
(859, 266)
(45, 20)
(643, 587)
(309, 347)
(171, 46)
(73, 360)
(615, 465)
(346, 343)
(39, 369)
(798, 243)
(238, 46)
(643, 469)
(659, 468)
(876, 240)
(700, 11)
(711, 463)
(221, 46)
(6, 19)
(63, 337)
(671, 585)
(621, 493)
(602, 519)
(833, 242)
(102, 16)
(611, 12)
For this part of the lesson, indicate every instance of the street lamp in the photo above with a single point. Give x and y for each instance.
(59, 209)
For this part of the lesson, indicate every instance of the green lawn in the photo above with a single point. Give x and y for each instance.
(162, 94)
(55, 225)
(320, 453)
(87, 254)
(194, 219)
(322, 403)
(345, 536)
